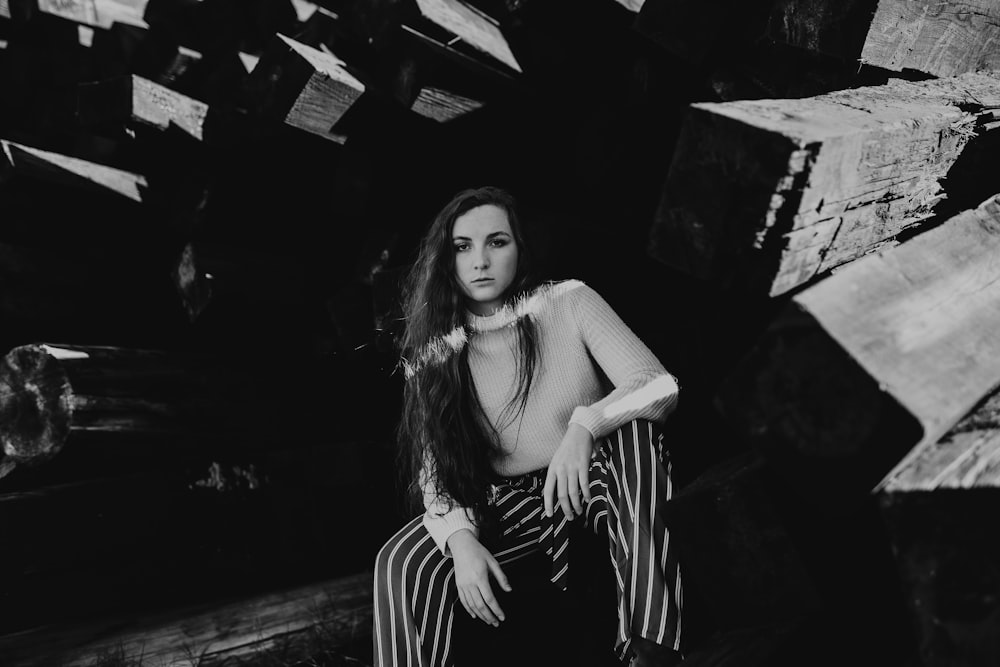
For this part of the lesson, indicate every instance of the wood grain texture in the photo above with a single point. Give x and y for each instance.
(328, 93)
(98, 13)
(935, 507)
(873, 363)
(443, 105)
(158, 105)
(340, 609)
(966, 457)
(931, 309)
(940, 37)
(472, 26)
(767, 194)
(73, 171)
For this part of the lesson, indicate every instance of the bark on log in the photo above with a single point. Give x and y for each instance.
(935, 507)
(136, 100)
(885, 355)
(767, 194)
(939, 38)
(304, 87)
(296, 622)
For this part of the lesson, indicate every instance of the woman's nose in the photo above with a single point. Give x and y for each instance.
(482, 261)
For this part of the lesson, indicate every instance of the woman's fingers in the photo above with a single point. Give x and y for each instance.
(573, 492)
(561, 484)
(585, 485)
(549, 491)
(464, 599)
(482, 607)
(499, 575)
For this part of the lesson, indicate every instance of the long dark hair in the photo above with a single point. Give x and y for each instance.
(443, 423)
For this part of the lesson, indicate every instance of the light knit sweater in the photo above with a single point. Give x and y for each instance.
(580, 337)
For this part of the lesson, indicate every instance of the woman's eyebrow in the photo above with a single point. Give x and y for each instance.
(488, 236)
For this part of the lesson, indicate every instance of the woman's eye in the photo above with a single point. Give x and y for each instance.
(460, 247)
(500, 242)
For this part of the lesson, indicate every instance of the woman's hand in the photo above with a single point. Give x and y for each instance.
(569, 473)
(473, 565)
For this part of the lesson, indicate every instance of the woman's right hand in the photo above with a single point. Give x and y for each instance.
(473, 565)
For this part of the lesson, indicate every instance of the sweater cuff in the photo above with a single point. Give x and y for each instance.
(443, 526)
(589, 418)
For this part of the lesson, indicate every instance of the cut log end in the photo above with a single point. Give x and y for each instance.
(35, 404)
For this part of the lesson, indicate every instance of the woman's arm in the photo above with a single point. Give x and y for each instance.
(441, 517)
(643, 388)
(455, 533)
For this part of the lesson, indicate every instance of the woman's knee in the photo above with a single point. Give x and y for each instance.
(634, 438)
(401, 549)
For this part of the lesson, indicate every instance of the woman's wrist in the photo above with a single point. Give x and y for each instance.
(460, 539)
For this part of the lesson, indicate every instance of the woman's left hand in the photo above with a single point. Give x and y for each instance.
(568, 477)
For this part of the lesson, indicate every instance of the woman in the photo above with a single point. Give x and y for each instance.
(509, 433)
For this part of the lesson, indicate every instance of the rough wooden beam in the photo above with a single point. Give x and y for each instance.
(472, 26)
(73, 171)
(136, 99)
(328, 614)
(98, 13)
(939, 37)
(878, 360)
(443, 105)
(936, 506)
(305, 87)
(767, 194)
(631, 5)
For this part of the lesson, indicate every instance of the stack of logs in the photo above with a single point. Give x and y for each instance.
(206, 206)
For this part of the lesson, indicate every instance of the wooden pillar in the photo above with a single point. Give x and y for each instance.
(941, 38)
(765, 195)
(937, 506)
(887, 354)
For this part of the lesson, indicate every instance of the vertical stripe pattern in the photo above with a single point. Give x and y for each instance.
(415, 594)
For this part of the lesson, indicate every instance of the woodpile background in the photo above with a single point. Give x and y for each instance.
(205, 208)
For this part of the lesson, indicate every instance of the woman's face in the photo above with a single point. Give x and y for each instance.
(485, 257)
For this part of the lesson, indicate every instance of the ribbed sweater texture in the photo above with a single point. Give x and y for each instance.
(592, 370)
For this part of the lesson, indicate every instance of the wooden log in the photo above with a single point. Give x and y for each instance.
(298, 621)
(766, 195)
(49, 392)
(939, 38)
(97, 13)
(132, 100)
(72, 171)
(304, 87)
(442, 105)
(472, 26)
(837, 399)
(935, 506)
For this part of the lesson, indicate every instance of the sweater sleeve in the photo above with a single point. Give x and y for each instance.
(440, 519)
(643, 388)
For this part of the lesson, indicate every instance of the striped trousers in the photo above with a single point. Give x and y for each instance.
(415, 594)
